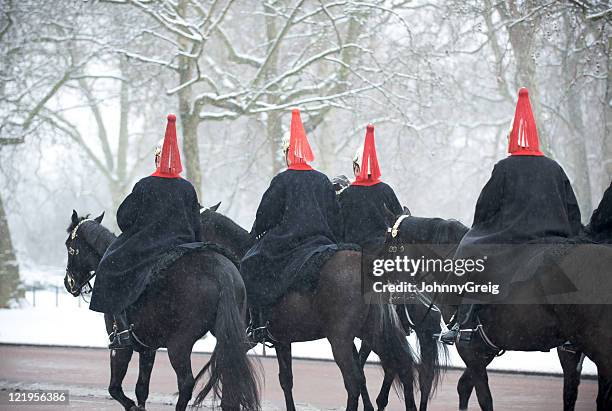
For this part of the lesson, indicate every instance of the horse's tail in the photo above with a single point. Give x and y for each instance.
(392, 346)
(434, 354)
(232, 375)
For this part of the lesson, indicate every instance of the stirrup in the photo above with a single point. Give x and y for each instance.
(446, 339)
(450, 336)
(260, 335)
(120, 340)
(458, 335)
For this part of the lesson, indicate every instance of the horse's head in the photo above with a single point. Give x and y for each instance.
(83, 258)
(222, 230)
(420, 236)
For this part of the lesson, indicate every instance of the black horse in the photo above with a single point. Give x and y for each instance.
(200, 292)
(336, 310)
(525, 327)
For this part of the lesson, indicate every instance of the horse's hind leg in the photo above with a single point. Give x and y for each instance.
(604, 393)
(119, 361)
(403, 369)
(465, 386)
(476, 360)
(180, 358)
(365, 396)
(572, 368)
(383, 396)
(481, 384)
(427, 368)
(364, 353)
(285, 373)
(406, 377)
(145, 367)
(342, 349)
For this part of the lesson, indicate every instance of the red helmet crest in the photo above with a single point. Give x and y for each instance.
(524, 135)
(369, 170)
(299, 152)
(170, 159)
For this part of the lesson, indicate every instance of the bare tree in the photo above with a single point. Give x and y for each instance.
(308, 54)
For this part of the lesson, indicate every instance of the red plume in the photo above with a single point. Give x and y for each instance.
(300, 153)
(170, 161)
(369, 170)
(524, 134)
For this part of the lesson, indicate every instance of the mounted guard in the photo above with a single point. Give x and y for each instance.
(527, 200)
(363, 203)
(298, 224)
(161, 213)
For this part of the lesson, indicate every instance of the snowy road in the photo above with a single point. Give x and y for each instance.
(317, 384)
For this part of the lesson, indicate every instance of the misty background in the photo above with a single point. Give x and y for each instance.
(85, 87)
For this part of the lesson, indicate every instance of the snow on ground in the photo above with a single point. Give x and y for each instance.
(54, 317)
(41, 275)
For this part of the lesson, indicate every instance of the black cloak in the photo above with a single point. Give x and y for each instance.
(528, 200)
(600, 227)
(298, 218)
(159, 215)
(364, 215)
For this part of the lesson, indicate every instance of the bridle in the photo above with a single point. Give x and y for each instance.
(395, 229)
(75, 288)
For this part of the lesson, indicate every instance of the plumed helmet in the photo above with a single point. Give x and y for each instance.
(366, 159)
(523, 139)
(169, 159)
(299, 149)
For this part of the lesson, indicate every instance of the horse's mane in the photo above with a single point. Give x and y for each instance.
(229, 228)
(96, 235)
(432, 230)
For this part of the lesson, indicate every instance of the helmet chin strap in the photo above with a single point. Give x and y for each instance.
(158, 151)
(356, 169)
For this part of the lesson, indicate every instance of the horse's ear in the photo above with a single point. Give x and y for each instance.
(99, 218)
(75, 217)
(407, 211)
(215, 207)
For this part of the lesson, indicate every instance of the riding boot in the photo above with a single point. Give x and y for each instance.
(463, 316)
(258, 328)
(253, 324)
(121, 337)
(569, 347)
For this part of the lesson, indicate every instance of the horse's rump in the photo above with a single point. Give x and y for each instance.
(300, 274)
(587, 271)
(167, 259)
(116, 294)
(558, 272)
